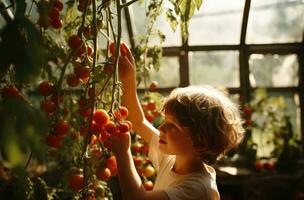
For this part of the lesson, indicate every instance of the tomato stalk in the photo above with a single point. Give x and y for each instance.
(89, 133)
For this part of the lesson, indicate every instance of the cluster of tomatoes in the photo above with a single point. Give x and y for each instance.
(49, 13)
(264, 165)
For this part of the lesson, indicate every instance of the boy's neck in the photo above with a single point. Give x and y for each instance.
(186, 164)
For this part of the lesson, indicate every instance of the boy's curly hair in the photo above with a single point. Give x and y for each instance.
(214, 120)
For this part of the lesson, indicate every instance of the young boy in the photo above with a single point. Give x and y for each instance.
(200, 124)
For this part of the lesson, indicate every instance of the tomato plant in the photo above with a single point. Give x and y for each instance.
(61, 94)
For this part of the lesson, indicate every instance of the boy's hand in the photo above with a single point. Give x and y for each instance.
(127, 67)
(121, 143)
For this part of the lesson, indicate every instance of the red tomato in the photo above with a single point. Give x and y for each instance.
(48, 106)
(82, 72)
(74, 41)
(101, 116)
(54, 13)
(52, 141)
(84, 112)
(124, 127)
(72, 80)
(111, 127)
(151, 105)
(58, 4)
(11, 92)
(96, 128)
(112, 165)
(258, 165)
(103, 173)
(153, 86)
(46, 88)
(137, 147)
(55, 99)
(61, 127)
(76, 182)
(56, 23)
(148, 185)
(87, 31)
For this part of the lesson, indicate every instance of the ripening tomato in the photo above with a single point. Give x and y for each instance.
(103, 174)
(58, 4)
(112, 165)
(72, 80)
(148, 185)
(52, 141)
(61, 127)
(48, 106)
(153, 86)
(101, 116)
(148, 171)
(46, 88)
(76, 182)
(75, 41)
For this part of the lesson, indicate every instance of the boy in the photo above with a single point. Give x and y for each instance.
(200, 124)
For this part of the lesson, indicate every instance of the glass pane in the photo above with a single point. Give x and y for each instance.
(168, 74)
(217, 68)
(273, 70)
(138, 11)
(124, 30)
(264, 135)
(217, 22)
(275, 21)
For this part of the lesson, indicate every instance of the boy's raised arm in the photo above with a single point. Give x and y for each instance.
(127, 74)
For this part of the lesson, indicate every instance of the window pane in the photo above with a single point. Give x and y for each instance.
(140, 22)
(273, 70)
(102, 40)
(275, 21)
(217, 22)
(168, 74)
(263, 135)
(218, 68)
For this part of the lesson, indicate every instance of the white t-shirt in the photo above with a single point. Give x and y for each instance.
(193, 186)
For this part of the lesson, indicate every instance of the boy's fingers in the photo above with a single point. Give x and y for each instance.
(125, 51)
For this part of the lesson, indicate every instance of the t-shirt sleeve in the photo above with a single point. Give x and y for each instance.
(192, 190)
(155, 156)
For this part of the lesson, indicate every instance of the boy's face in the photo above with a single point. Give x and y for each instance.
(174, 139)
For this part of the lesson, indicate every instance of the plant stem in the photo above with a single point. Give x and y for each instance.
(128, 3)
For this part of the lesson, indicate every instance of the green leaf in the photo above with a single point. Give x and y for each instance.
(172, 19)
(198, 3)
